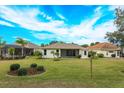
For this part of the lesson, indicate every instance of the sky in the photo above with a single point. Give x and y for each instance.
(80, 24)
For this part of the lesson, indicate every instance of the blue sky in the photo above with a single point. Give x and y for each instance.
(45, 23)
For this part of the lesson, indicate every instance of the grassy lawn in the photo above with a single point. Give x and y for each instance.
(66, 73)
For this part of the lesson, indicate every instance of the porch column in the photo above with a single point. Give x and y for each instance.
(59, 52)
(117, 54)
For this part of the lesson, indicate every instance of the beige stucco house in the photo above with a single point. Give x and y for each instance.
(107, 49)
(64, 50)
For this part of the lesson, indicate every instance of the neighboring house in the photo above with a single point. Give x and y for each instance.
(29, 49)
(6, 54)
(64, 50)
(107, 49)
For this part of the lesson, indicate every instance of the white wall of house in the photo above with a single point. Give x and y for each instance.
(49, 54)
(83, 53)
(37, 49)
(107, 53)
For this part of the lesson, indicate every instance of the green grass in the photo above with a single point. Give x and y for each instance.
(66, 73)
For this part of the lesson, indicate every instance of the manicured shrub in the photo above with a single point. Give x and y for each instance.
(34, 65)
(113, 55)
(14, 67)
(56, 59)
(22, 72)
(40, 68)
(78, 56)
(100, 55)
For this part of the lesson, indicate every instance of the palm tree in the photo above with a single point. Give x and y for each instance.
(2, 43)
(11, 51)
(22, 42)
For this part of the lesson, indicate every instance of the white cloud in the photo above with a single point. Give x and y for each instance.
(61, 16)
(6, 23)
(27, 19)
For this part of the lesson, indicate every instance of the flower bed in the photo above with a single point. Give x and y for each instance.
(26, 71)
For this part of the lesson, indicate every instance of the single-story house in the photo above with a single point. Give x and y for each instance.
(5, 52)
(64, 50)
(28, 50)
(107, 49)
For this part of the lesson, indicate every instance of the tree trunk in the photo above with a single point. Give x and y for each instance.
(91, 67)
(0, 54)
(22, 51)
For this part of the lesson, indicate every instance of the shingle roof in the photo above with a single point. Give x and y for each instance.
(12, 45)
(31, 45)
(63, 46)
(104, 46)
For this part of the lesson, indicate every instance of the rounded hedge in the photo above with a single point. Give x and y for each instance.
(100, 55)
(40, 68)
(14, 67)
(34, 65)
(22, 72)
(78, 56)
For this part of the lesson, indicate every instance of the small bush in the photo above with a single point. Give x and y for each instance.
(95, 57)
(56, 59)
(100, 55)
(113, 55)
(37, 53)
(22, 72)
(40, 68)
(34, 65)
(14, 67)
(79, 56)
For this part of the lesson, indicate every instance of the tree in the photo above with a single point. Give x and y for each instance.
(11, 51)
(92, 44)
(53, 42)
(2, 43)
(22, 42)
(117, 37)
(42, 45)
(85, 45)
(91, 56)
(97, 43)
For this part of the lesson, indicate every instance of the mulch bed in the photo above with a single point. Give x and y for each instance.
(30, 71)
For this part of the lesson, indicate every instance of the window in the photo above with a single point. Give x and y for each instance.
(85, 52)
(45, 52)
(57, 50)
(110, 51)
